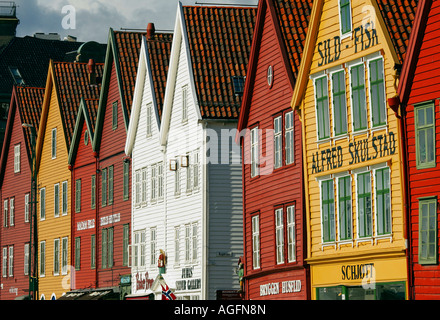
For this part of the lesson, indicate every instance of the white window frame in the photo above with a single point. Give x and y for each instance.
(347, 34)
(137, 188)
(26, 259)
(160, 181)
(11, 261)
(194, 241)
(350, 65)
(332, 102)
(64, 255)
(64, 202)
(149, 124)
(153, 181)
(375, 56)
(144, 186)
(26, 207)
(289, 132)
(338, 210)
(17, 158)
(279, 235)
(278, 137)
(291, 233)
(56, 257)
(42, 260)
(153, 245)
(42, 204)
(11, 212)
(177, 245)
(177, 181)
(56, 199)
(196, 170)
(254, 148)
(5, 262)
(255, 241)
(374, 198)
(185, 104)
(54, 143)
(5, 212)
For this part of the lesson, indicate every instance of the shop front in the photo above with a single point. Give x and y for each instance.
(369, 279)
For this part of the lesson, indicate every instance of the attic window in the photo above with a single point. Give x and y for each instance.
(18, 79)
(238, 82)
(270, 76)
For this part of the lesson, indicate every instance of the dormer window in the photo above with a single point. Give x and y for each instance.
(18, 79)
(238, 82)
(345, 17)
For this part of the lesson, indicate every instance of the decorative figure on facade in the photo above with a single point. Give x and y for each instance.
(241, 274)
(161, 262)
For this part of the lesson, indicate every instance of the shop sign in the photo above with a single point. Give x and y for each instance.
(364, 37)
(84, 225)
(187, 283)
(143, 282)
(274, 288)
(332, 158)
(113, 218)
(357, 271)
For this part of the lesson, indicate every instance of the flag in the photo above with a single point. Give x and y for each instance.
(167, 294)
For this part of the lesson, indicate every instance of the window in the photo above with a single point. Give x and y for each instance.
(144, 185)
(126, 182)
(18, 79)
(365, 222)
(291, 237)
(149, 119)
(153, 182)
(377, 92)
(86, 137)
(78, 195)
(64, 255)
(256, 241)
(383, 201)
(107, 248)
(11, 211)
(345, 16)
(26, 207)
(115, 115)
(17, 158)
(104, 187)
(56, 198)
(190, 242)
(153, 242)
(64, 198)
(344, 208)
(184, 104)
(160, 181)
(339, 103)
(428, 231)
(5, 262)
(269, 76)
(279, 235)
(54, 143)
(278, 144)
(176, 245)
(42, 258)
(254, 152)
(56, 257)
(358, 99)
(322, 110)
(125, 243)
(110, 185)
(26, 259)
(328, 211)
(194, 241)
(177, 181)
(188, 173)
(11, 261)
(139, 248)
(43, 204)
(425, 136)
(137, 188)
(77, 253)
(289, 137)
(5, 213)
(195, 169)
(93, 192)
(238, 82)
(92, 251)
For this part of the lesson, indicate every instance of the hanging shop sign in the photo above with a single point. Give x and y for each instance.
(275, 288)
(360, 151)
(143, 282)
(187, 283)
(364, 37)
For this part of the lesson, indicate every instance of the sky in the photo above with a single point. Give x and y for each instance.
(90, 20)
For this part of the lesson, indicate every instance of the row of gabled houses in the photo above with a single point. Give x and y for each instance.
(280, 152)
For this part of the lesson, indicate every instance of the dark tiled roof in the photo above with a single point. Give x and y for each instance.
(128, 45)
(91, 106)
(29, 103)
(220, 40)
(72, 80)
(399, 17)
(293, 18)
(159, 50)
(31, 56)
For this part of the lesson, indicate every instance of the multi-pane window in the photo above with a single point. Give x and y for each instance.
(93, 251)
(115, 115)
(42, 203)
(149, 119)
(365, 222)
(358, 98)
(279, 235)
(54, 143)
(144, 185)
(26, 259)
(428, 231)
(160, 180)
(153, 182)
(11, 261)
(77, 253)
(328, 210)
(322, 108)
(278, 145)
(110, 185)
(11, 211)
(153, 243)
(64, 196)
(289, 137)
(339, 103)
(5, 262)
(107, 248)
(137, 188)
(344, 208)
(56, 197)
(177, 181)
(345, 16)
(104, 187)
(64, 253)
(377, 92)
(291, 237)
(93, 192)
(126, 178)
(125, 243)
(254, 152)
(256, 241)
(177, 245)
(425, 136)
(194, 241)
(42, 258)
(26, 207)
(5, 212)
(383, 201)
(191, 242)
(187, 243)
(139, 248)
(184, 104)
(17, 159)
(78, 195)
(56, 257)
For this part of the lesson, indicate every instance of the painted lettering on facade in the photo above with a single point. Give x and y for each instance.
(274, 287)
(84, 225)
(110, 219)
(357, 272)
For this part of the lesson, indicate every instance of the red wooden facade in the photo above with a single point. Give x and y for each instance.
(25, 107)
(274, 192)
(419, 93)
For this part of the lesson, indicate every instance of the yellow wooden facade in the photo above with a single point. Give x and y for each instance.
(340, 255)
(54, 229)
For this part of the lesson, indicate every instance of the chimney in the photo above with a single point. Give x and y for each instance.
(150, 31)
(91, 71)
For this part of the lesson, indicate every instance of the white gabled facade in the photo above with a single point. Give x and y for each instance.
(200, 231)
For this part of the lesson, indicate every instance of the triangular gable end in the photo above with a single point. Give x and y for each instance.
(180, 35)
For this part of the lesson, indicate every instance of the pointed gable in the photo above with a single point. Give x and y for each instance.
(219, 41)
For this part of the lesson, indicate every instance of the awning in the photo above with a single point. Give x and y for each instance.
(98, 294)
(147, 295)
(25, 297)
(71, 295)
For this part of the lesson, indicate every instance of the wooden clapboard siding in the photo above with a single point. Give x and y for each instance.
(425, 87)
